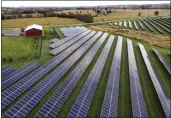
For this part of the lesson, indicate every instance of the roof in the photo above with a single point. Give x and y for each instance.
(39, 27)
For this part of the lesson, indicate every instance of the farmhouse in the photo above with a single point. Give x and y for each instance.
(34, 30)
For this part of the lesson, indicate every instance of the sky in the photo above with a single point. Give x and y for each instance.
(73, 3)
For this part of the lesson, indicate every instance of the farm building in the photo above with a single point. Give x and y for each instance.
(34, 30)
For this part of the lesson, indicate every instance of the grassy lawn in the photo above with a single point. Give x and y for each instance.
(24, 22)
(21, 50)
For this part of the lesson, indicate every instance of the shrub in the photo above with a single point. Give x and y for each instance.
(156, 13)
(139, 14)
(4, 59)
(10, 59)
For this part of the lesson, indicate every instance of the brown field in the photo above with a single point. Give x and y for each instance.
(34, 15)
(23, 22)
(153, 39)
(128, 13)
(93, 13)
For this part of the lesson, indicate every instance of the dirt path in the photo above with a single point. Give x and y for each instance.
(151, 38)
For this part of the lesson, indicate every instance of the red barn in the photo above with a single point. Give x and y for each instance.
(34, 30)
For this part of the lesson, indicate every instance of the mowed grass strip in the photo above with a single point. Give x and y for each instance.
(124, 98)
(71, 99)
(97, 102)
(152, 102)
(24, 22)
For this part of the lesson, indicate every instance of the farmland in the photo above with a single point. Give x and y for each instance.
(24, 22)
(74, 53)
(119, 14)
(93, 13)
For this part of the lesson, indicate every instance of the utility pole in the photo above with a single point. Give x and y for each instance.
(41, 47)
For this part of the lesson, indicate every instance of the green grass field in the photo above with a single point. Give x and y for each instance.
(152, 102)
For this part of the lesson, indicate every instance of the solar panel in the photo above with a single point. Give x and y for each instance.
(163, 61)
(18, 74)
(110, 102)
(70, 82)
(81, 106)
(36, 94)
(29, 80)
(120, 23)
(6, 70)
(163, 97)
(138, 104)
(67, 44)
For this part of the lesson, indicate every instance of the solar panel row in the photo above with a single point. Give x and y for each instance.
(12, 93)
(110, 102)
(55, 103)
(60, 48)
(138, 104)
(18, 74)
(163, 61)
(130, 24)
(125, 24)
(26, 104)
(135, 24)
(6, 70)
(81, 106)
(141, 24)
(58, 43)
(164, 100)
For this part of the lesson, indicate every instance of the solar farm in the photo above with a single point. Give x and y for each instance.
(156, 25)
(92, 74)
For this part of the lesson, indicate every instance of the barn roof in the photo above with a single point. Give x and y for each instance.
(39, 27)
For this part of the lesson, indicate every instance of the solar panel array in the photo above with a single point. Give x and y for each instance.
(138, 104)
(164, 100)
(18, 74)
(79, 40)
(12, 93)
(163, 61)
(67, 44)
(6, 70)
(27, 103)
(110, 102)
(58, 43)
(55, 103)
(153, 25)
(83, 101)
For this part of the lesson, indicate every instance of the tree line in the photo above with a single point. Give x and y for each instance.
(87, 18)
